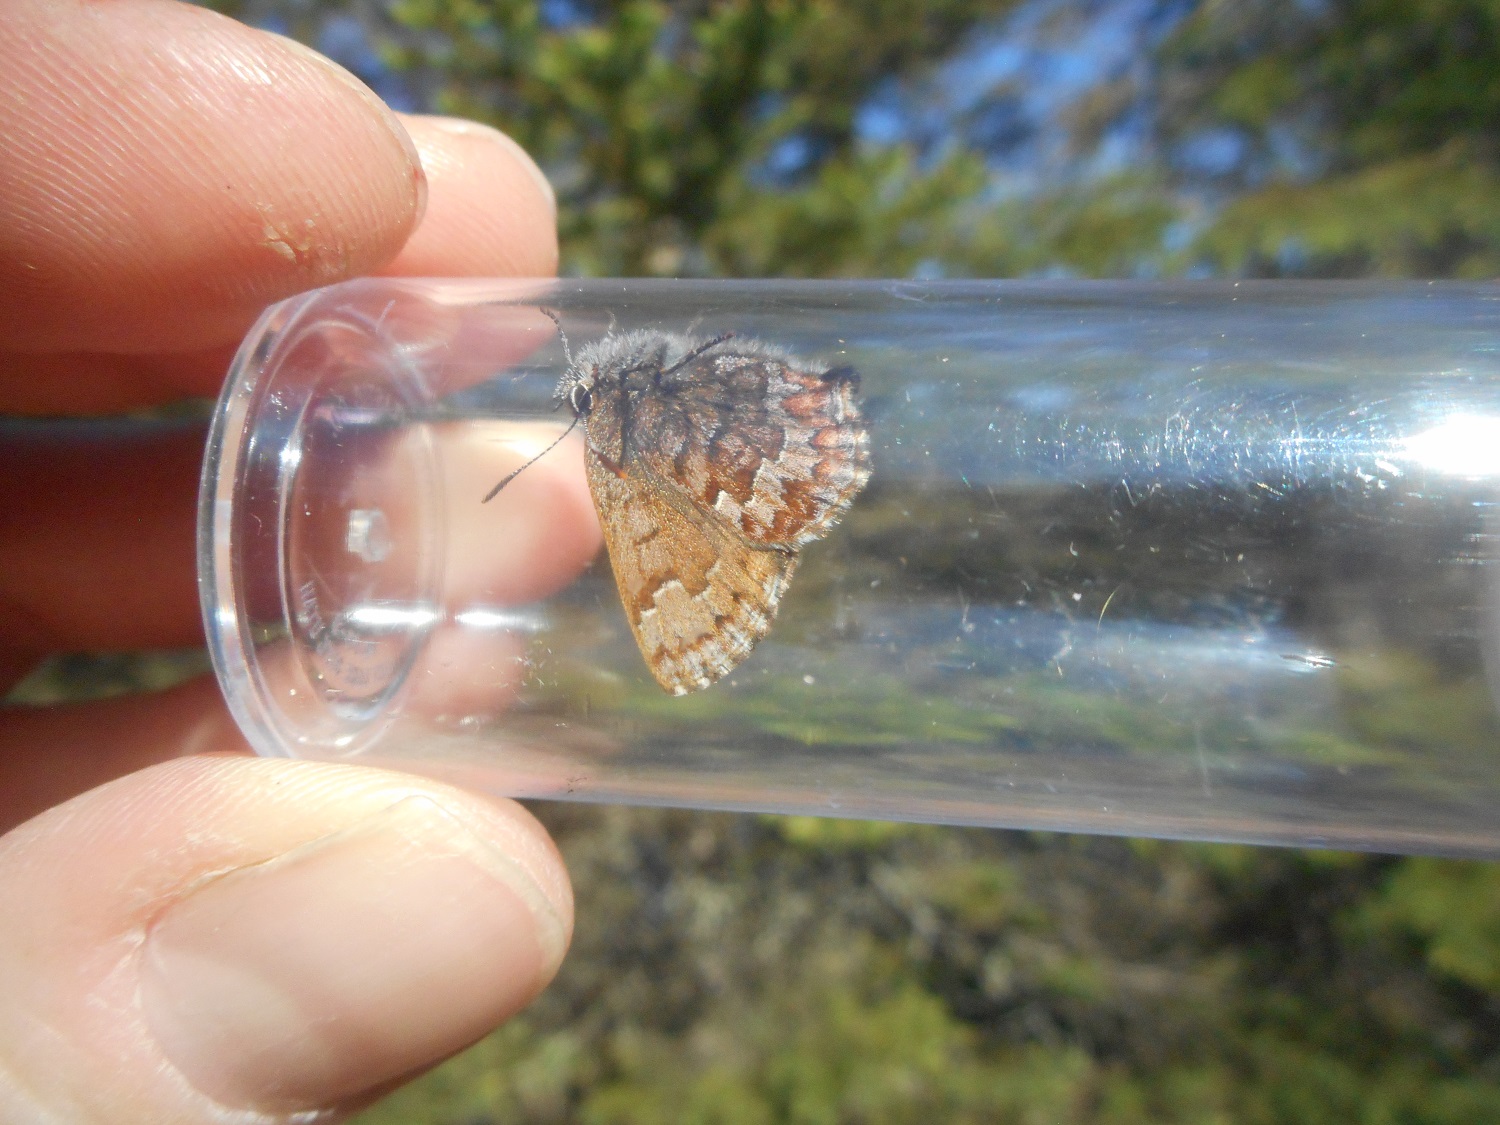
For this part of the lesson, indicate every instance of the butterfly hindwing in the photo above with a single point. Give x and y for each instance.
(696, 598)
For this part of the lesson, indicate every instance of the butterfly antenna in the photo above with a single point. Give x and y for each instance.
(512, 476)
(551, 314)
(696, 352)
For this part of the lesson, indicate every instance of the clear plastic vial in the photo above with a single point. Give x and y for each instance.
(1211, 561)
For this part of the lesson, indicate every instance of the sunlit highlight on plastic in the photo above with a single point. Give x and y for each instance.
(1465, 445)
(392, 617)
(498, 619)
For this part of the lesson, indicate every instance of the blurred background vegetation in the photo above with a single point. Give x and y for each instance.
(739, 969)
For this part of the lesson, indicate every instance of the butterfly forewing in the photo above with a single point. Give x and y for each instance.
(768, 445)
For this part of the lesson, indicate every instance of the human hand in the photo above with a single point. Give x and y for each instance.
(189, 937)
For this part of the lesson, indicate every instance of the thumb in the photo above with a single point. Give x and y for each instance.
(217, 935)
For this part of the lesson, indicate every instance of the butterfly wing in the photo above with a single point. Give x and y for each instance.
(698, 598)
(771, 446)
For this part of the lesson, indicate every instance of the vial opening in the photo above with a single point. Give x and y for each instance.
(326, 558)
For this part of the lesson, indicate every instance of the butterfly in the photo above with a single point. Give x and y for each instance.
(711, 463)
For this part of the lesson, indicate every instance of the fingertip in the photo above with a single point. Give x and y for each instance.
(535, 536)
(170, 172)
(267, 985)
(491, 211)
(280, 937)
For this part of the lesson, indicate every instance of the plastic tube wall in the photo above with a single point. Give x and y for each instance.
(1211, 561)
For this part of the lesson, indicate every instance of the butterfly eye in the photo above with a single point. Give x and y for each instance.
(581, 399)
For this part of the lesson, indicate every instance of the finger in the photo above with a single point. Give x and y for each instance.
(75, 384)
(540, 528)
(224, 934)
(501, 559)
(97, 532)
(169, 172)
(490, 211)
(96, 537)
(51, 754)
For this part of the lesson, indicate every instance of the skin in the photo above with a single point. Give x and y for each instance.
(191, 934)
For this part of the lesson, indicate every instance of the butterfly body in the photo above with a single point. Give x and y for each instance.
(711, 462)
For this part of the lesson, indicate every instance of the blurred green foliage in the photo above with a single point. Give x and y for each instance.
(655, 121)
(77, 676)
(738, 969)
(721, 137)
(1368, 130)
(1393, 107)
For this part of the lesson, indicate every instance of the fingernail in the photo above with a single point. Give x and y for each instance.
(348, 962)
(459, 127)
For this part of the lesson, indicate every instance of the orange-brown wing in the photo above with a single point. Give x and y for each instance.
(774, 448)
(698, 597)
